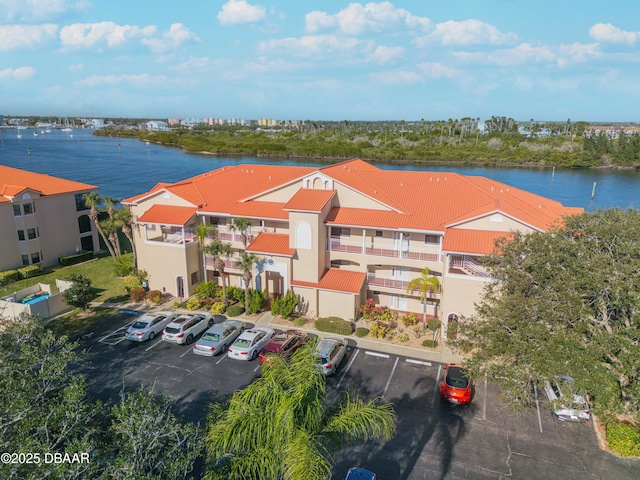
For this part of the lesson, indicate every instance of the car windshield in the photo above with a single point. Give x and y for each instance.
(456, 378)
(322, 360)
(212, 337)
(139, 325)
(172, 330)
(242, 343)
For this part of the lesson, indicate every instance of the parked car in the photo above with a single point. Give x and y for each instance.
(185, 328)
(216, 339)
(330, 352)
(356, 473)
(284, 343)
(568, 405)
(456, 385)
(148, 325)
(248, 345)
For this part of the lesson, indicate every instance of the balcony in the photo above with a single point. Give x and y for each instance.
(374, 280)
(355, 245)
(173, 235)
(228, 263)
(467, 265)
(226, 234)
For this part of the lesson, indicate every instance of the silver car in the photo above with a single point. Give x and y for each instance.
(330, 352)
(218, 338)
(248, 345)
(185, 328)
(558, 393)
(147, 326)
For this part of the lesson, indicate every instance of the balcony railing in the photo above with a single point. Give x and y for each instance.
(467, 265)
(228, 263)
(376, 281)
(227, 235)
(355, 245)
(173, 235)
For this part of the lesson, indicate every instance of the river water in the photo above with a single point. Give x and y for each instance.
(123, 167)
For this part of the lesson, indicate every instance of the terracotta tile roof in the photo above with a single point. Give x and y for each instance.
(271, 244)
(480, 242)
(13, 181)
(168, 215)
(309, 200)
(337, 280)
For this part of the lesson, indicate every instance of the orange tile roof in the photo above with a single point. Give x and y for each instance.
(481, 242)
(337, 280)
(271, 244)
(13, 181)
(309, 200)
(168, 215)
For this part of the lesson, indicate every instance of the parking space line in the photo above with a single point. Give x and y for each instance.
(435, 391)
(257, 368)
(186, 352)
(418, 362)
(386, 387)
(344, 373)
(158, 342)
(535, 391)
(115, 332)
(484, 400)
(376, 354)
(222, 357)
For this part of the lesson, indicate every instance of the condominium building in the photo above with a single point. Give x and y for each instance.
(42, 218)
(337, 235)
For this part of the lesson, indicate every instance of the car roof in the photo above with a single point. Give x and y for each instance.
(360, 473)
(326, 344)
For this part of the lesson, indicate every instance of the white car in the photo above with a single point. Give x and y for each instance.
(574, 410)
(185, 328)
(147, 326)
(330, 352)
(248, 345)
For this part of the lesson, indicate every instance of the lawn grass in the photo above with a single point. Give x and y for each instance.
(107, 286)
(76, 321)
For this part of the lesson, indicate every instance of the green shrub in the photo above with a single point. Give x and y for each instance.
(409, 319)
(257, 299)
(433, 324)
(362, 332)
(131, 282)
(379, 329)
(9, 276)
(430, 343)
(285, 305)
(235, 310)
(218, 308)
(137, 294)
(193, 304)
(208, 290)
(624, 439)
(29, 271)
(154, 296)
(403, 337)
(300, 321)
(75, 258)
(235, 293)
(334, 325)
(123, 266)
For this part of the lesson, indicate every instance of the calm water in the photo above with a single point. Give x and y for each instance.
(123, 167)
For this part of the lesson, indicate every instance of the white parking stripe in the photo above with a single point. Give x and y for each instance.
(222, 357)
(257, 368)
(535, 391)
(344, 373)
(376, 354)
(386, 387)
(157, 343)
(188, 350)
(418, 362)
(436, 390)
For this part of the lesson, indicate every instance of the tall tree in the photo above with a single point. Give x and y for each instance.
(219, 250)
(241, 225)
(245, 264)
(279, 427)
(203, 232)
(110, 202)
(426, 284)
(124, 219)
(92, 200)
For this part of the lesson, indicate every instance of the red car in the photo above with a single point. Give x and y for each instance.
(456, 386)
(284, 344)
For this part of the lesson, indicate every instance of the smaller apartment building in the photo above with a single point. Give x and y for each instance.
(42, 218)
(338, 235)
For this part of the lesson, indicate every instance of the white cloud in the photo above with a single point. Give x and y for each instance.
(526, 53)
(358, 18)
(142, 80)
(605, 32)
(176, 36)
(318, 46)
(384, 54)
(436, 70)
(88, 35)
(423, 71)
(26, 36)
(236, 12)
(36, 10)
(76, 67)
(20, 73)
(467, 32)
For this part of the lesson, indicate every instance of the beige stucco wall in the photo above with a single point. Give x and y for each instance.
(460, 294)
(308, 264)
(308, 300)
(337, 304)
(165, 262)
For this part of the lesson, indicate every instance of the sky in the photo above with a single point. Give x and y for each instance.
(547, 60)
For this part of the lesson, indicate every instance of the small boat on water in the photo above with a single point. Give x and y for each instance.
(19, 135)
(67, 129)
(35, 134)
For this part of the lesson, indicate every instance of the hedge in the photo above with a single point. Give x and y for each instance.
(9, 276)
(334, 325)
(624, 439)
(29, 271)
(76, 258)
(235, 310)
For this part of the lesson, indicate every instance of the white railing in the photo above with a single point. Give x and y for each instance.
(228, 263)
(355, 245)
(178, 235)
(376, 281)
(469, 265)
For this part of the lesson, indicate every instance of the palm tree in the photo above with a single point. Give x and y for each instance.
(425, 284)
(241, 225)
(124, 219)
(92, 200)
(218, 249)
(110, 203)
(202, 231)
(245, 264)
(280, 426)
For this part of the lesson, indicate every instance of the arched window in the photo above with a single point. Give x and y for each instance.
(317, 183)
(303, 236)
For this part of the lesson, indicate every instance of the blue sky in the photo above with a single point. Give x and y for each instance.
(321, 60)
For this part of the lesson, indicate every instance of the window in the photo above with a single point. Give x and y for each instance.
(28, 208)
(25, 260)
(87, 243)
(340, 232)
(432, 239)
(16, 210)
(378, 233)
(21, 236)
(84, 223)
(194, 278)
(339, 263)
(32, 233)
(81, 204)
(35, 257)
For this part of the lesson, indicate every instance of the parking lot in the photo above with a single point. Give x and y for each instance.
(433, 439)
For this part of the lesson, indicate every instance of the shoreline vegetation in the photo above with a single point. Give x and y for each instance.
(417, 143)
